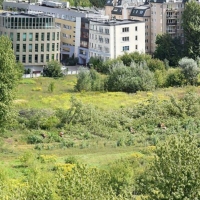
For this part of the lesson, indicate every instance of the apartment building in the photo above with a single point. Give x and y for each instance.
(67, 19)
(166, 17)
(112, 38)
(160, 16)
(34, 36)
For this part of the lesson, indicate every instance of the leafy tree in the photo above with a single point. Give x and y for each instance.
(168, 48)
(52, 69)
(137, 77)
(191, 21)
(175, 171)
(190, 70)
(10, 73)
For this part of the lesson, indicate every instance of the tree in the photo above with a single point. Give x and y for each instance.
(191, 21)
(168, 48)
(10, 73)
(190, 70)
(52, 69)
(175, 171)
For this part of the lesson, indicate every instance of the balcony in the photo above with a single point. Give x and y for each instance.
(171, 23)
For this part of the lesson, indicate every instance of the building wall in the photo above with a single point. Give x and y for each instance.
(110, 41)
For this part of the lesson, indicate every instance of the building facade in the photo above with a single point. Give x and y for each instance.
(110, 39)
(35, 38)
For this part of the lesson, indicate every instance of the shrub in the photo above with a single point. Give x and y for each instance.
(34, 139)
(190, 70)
(52, 69)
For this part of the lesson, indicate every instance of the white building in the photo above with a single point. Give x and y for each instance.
(112, 38)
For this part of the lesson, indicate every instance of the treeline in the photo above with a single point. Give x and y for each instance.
(136, 72)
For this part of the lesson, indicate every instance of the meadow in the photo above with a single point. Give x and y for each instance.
(104, 130)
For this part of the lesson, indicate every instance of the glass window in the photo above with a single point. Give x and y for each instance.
(48, 36)
(17, 47)
(24, 47)
(24, 36)
(47, 47)
(42, 47)
(30, 47)
(30, 36)
(18, 36)
(42, 57)
(136, 37)
(136, 28)
(47, 57)
(11, 36)
(36, 36)
(36, 58)
(125, 48)
(53, 36)
(17, 57)
(24, 58)
(42, 36)
(53, 46)
(57, 48)
(36, 47)
(58, 35)
(52, 57)
(30, 58)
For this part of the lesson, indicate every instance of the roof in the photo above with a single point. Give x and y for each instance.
(23, 15)
(139, 11)
(109, 3)
(117, 22)
(117, 10)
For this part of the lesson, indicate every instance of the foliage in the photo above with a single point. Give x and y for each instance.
(168, 48)
(190, 70)
(174, 77)
(137, 77)
(51, 87)
(137, 57)
(10, 73)
(89, 81)
(52, 69)
(175, 171)
(191, 28)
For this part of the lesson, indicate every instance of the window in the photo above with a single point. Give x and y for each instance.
(136, 38)
(126, 29)
(136, 47)
(58, 35)
(107, 40)
(30, 36)
(125, 39)
(53, 46)
(36, 58)
(42, 57)
(36, 36)
(17, 47)
(36, 47)
(125, 48)
(57, 48)
(136, 28)
(24, 58)
(66, 26)
(53, 36)
(42, 36)
(47, 57)
(18, 36)
(30, 58)
(24, 47)
(47, 47)
(11, 36)
(52, 57)
(17, 57)
(30, 47)
(48, 36)
(106, 31)
(42, 47)
(24, 36)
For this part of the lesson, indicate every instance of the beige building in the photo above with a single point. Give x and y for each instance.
(35, 38)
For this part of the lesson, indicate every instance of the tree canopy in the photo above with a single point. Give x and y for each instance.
(191, 21)
(10, 73)
(52, 69)
(175, 171)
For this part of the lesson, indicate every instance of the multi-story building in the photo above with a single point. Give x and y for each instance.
(68, 19)
(112, 38)
(35, 38)
(160, 16)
